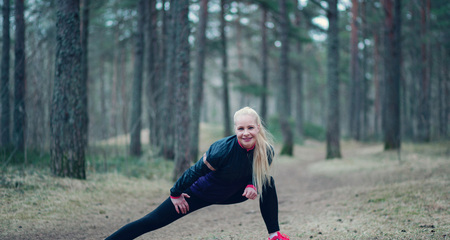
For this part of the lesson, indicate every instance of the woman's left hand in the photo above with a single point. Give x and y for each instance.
(250, 193)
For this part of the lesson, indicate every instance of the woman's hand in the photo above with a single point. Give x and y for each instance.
(250, 193)
(180, 203)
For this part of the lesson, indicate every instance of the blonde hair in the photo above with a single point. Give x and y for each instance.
(263, 150)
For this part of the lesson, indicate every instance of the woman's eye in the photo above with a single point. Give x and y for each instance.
(250, 128)
(240, 129)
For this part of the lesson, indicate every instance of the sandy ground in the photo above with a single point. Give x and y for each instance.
(302, 196)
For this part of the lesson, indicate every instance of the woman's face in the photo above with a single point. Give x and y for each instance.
(246, 130)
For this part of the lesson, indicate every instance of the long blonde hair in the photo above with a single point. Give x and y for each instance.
(263, 150)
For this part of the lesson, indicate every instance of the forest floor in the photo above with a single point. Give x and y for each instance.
(368, 194)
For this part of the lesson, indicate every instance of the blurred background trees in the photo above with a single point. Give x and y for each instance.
(387, 80)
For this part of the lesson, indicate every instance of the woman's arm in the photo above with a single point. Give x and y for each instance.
(201, 168)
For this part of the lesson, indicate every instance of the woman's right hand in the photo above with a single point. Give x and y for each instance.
(180, 203)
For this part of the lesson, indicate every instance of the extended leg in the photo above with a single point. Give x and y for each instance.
(160, 217)
(269, 207)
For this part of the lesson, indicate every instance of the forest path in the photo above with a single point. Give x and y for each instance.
(297, 188)
(366, 195)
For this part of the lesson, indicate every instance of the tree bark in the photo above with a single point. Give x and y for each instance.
(19, 134)
(225, 91)
(355, 82)
(136, 106)
(333, 128)
(425, 88)
(365, 81)
(182, 148)
(5, 85)
(198, 81)
(264, 64)
(299, 119)
(169, 99)
(392, 137)
(284, 102)
(67, 147)
(84, 28)
(153, 83)
(376, 82)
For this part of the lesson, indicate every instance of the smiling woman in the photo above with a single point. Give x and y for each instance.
(234, 169)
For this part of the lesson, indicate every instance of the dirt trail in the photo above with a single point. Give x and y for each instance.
(298, 191)
(295, 186)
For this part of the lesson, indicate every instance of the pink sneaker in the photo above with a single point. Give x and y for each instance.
(280, 236)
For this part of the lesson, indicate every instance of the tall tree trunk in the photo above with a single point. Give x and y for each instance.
(5, 85)
(182, 148)
(115, 84)
(84, 28)
(392, 74)
(19, 78)
(425, 88)
(264, 65)
(365, 81)
(446, 90)
(410, 125)
(67, 147)
(441, 88)
(136, 104)
(198, 81)
(153, 88)
(299, 119)
(333, 129)
(169, 99)
(161, 67)
(225, 92)
(355, 82)
(284, 96)
(376, 83)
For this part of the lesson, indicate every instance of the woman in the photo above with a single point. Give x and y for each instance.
(234, 169)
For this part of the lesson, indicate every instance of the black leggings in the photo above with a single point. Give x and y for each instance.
(166, 214)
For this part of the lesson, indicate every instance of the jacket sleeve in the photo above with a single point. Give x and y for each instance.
(189, 177)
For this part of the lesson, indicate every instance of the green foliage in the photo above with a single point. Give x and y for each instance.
(313, 131)
(104, 159)
(310, 130)
(99, 159)
(252, 89)
(273, 125)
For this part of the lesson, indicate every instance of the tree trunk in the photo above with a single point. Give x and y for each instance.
(136, 105)
(365, 81)
(182, 148)
(264, 65)
(169, 97)
(84, 28)
(376, 82)
(225, 92)
(355, 82)
(198, 81)
(299, 119)
(153, 86)
(425, 88)
(284, 96)
(67, 147)
(392, 75)
(19, 78)
(5, 85)
(333, 129)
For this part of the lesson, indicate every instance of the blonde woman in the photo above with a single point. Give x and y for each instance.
(234, 169)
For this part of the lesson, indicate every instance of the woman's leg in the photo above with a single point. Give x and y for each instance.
(268, 203)
(160, 217)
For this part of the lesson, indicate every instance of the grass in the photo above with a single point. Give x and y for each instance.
(383, 196)
(31, 198)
